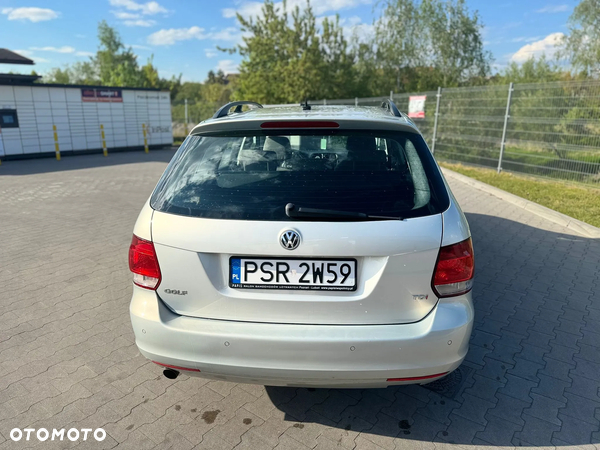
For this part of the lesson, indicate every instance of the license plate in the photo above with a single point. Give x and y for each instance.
(292, 273)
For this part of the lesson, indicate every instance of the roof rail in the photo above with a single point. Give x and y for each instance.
(390, 106)
(224, 110)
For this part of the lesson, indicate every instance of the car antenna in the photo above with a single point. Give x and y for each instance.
(305, 106)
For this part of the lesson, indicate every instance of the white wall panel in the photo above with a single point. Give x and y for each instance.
(11, 138)
(132, 125)
(30, 145)
(57, 94)
(40, 94)
(73, 95)
(141, 111)
(79, 143)
(7, 96)
(47, 144)
(23, 93)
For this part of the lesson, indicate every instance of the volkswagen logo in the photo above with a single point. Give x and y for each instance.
(290, 239)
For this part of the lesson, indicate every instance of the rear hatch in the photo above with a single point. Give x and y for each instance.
(228, 250)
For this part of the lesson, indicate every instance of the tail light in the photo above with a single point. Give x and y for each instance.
(454, 269)
(144, 263)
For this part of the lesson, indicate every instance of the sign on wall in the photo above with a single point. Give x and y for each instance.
(101, 95)
(416, 106)
(153, 95)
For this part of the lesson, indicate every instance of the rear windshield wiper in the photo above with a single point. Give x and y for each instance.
(298, 212)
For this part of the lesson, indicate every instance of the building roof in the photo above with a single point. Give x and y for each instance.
(18, 79)
(12, 79)
(9, 57)
(347, 117)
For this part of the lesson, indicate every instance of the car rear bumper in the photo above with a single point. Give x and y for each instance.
(305, 355)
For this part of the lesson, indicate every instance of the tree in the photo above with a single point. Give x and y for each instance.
(216, 78)
(582, 44)
(532, 71)
(422, 44)
(398, 40)
(113, 65)
(288, 58)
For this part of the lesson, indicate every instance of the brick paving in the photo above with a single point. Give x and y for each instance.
(68, 359)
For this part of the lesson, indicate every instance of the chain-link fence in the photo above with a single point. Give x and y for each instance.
(195, 112)
(546, 129)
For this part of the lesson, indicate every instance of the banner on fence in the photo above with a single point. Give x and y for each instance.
(416, 106)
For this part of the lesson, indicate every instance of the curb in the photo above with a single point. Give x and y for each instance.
(577, 226)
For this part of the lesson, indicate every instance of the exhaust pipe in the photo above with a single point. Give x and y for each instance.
(171, 374)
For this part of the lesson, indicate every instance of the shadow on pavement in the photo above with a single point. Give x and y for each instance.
(77, 162)
(533, 364)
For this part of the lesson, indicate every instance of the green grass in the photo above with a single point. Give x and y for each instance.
(579, 202)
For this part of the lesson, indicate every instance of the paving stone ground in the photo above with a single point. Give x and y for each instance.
(68, 358)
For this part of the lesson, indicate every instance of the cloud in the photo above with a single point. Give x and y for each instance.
(211, 52)
(32, 14)
(139, 23)
(230, 34)
(138, 47)
(149, 8)
(227, 66)
(124, 15)
(29, 54)
(548, 46)
(351, 26)
(553, 9)
(172, 35)
(64, 49)
(136, 18)
(253, 8)
(526, 39)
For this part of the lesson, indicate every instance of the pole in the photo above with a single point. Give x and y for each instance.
(324, 101)
(392, 95)
(435, 120)
(145, 138)
(186, 118)
(104, 151)
(56, 148)
(506, 117)
(355, 101)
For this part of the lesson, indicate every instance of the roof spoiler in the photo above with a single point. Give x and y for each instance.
(224, 110)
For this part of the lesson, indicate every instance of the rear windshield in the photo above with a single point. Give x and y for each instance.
(252, 176)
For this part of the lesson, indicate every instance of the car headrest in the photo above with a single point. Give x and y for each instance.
(361, 144)
(278, 144)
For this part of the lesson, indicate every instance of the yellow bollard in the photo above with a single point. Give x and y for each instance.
(104, 150)
(56, 149)
(145, 139)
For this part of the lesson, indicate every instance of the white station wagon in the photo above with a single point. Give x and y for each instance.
(303, 246)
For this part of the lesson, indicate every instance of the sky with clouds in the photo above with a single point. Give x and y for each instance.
(183, 35)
